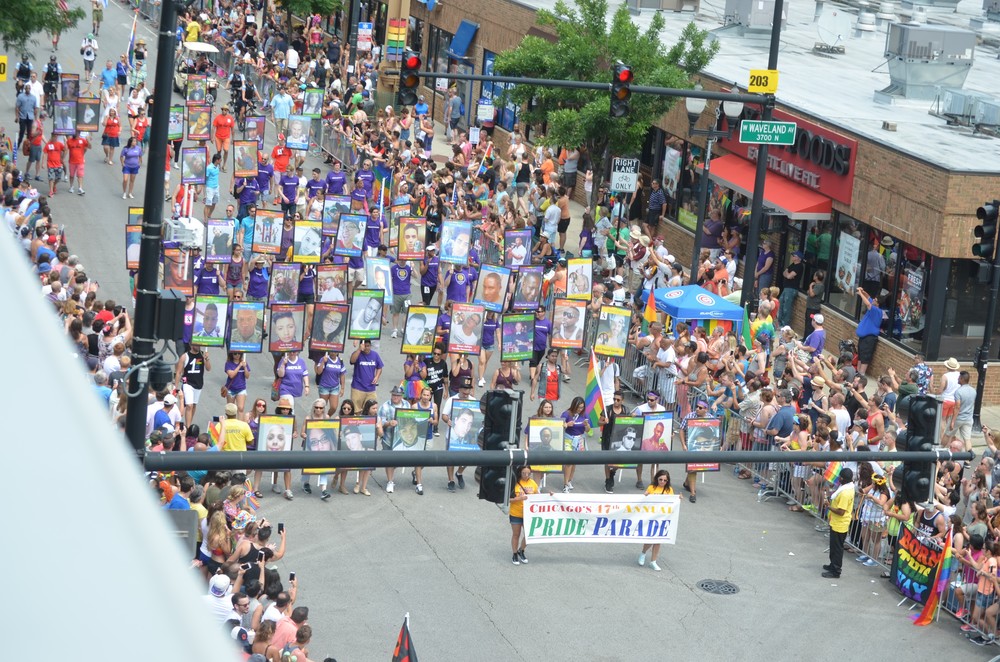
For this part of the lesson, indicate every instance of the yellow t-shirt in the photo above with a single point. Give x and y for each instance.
(842, 499)
(202, 514)
(655, 489)
(193, 29)
(237, 435)
(522, 487)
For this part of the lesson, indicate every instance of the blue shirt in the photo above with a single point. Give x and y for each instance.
(281, 106)
(421, 108)
(212, 176)
(177, 503)
(246, 223)
(871, 322)
(108, 78)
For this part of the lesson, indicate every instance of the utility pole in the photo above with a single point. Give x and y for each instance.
(748, 293)
(986, 249)
(147, 278)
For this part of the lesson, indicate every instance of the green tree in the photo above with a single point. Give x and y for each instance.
(306, 8)
(21, 20)
(587, 48)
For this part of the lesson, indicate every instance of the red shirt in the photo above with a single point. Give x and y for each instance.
(37, 137)
(53, 154)
(140, 127)
(113, 127)
(170, 156)
(77, 147)
(223, 126)
(280, 156)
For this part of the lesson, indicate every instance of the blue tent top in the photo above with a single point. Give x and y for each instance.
(693, 302)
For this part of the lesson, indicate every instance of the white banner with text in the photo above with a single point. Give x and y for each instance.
(601, 518)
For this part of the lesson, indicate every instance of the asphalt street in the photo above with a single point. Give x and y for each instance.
(363, 562)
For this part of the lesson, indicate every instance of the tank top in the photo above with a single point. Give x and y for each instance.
(925, 525)
(251, 555)
(234, 273)
(194, 371)
(505, 381)
(463, 373)
(430, 431)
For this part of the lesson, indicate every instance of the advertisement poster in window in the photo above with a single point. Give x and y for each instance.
(848, 256)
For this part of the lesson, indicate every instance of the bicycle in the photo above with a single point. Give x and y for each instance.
(49, 94)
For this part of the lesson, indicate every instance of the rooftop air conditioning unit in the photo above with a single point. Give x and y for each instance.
(959, 104)
(986, 112)
(924, 58)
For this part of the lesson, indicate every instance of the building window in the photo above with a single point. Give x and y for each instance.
(506, 112)
(848, 268)
(965, 305)
(907, 287)
(415, 35)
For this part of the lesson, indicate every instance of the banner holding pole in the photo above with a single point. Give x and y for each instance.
(605, 518)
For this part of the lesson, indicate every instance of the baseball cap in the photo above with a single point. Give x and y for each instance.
(219, 585)
(170, 399)
(231, 409)
(818, 318)
(618, 279)
(798, 254)
(397, 390)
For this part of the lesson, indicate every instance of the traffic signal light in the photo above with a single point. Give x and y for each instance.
(501, 425)
(919, 435)
(986, 231)
(621, 90)
(409, 81)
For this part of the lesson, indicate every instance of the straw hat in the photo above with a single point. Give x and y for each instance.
(952, 363)
(818, 382)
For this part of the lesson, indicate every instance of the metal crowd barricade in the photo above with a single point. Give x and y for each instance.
(489, 250)
(339, 146)
(631, 377)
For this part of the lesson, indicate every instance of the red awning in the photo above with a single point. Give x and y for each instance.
(793, 200)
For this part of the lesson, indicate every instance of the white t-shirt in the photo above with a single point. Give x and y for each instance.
(220, 608)
(292, 58)
(272, 614)
(842, 419)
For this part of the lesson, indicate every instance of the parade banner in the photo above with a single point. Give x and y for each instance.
(199, 122)
(133, 240)
(366, 315)
(567, 323)
(175, 123)
(414, 233)
(307, 242)
(611, 518)
(245, 158)
(329, 326)
(580, 278)
(418, 331)
(466, 421)
(287, 327)
(88, 113)
(913, 565)
(333, 207)
(267, 230)
(545, 434)
(466, 328)
(491, 287)
(246, 332)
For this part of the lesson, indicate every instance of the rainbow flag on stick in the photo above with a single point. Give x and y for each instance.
(940, 585)
(594, 398)
(832, 472)
(649, 314)
(131, 40)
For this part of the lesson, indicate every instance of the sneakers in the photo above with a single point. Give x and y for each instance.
(642, 559)
(863, 558)
(822, 528)
(790, 502)
(962, 613)
(654, 566)
(124, 196)
(81, 192)
(980, 640)
(307, 488)
(326, 495)
(289, 495)
(968, 628)
(72, 189)
(871, 563)
(420, 489)
(566, 488)
(390, 487)
(482, 382)
(639, 485)
(451, 486)
(515, 559)
(275, 489)
(693, 498)
(829, 574)
(131, 197)
(461, 481)
(570, 485)
(395, 333)
(520, 555)
(609, 486)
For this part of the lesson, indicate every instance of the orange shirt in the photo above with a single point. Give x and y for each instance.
(280, 156)
(53, 154)
(113, 127)
(77, 148)
(223, 126)
(547, 168)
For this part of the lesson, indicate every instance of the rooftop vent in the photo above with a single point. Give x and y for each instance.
(992, 9)
(923, 58)
(750, 18)
(958, 106)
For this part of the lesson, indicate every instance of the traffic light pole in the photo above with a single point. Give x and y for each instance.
(983, 354)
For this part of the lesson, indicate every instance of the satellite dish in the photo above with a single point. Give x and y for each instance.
(834, 27)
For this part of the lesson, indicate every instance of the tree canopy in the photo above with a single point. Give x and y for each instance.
(21, 20)
(305, 8)
(587, 48)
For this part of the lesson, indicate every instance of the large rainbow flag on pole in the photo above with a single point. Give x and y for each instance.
(131, 40)
(941, 577)
(594, 398)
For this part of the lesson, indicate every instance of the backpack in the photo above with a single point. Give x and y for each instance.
(461, 106)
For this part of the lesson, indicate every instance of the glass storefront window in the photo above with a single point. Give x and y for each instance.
(415, 35)
(907, 321)
(846, 273)
(437, 56)
(966, 301)
(506, 112)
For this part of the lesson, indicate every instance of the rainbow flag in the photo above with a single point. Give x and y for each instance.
(215, 432)
(131, 40)
(832, 472)
(482, 164)
(649, 314)
(747, 339)
(594, 397)
(942, 575)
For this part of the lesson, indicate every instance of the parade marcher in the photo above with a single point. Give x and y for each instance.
(660, 485)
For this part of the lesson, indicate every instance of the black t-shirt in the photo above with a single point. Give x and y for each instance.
(437, 373)
(333, 52)
(796, 279)
(490, 177)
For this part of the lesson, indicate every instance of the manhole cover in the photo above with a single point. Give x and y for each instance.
(718, 586)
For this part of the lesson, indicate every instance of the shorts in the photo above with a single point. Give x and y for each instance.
(191, 395)
(108, 141)
(866, 349)
(488, 348)
(536, 357)
(947, 408)
(55, 174)
(306, 298)
(983, 601)
(577, 443)
(963, 431)
(123, 80)
(453, 122)
(98, 15)
(35, 154)
(330, 391)
(76, 170)
(235, 394)
(569, 179)
(130, 170)
(399, 303)
(563, 225)
(515, 520)
(211, 196)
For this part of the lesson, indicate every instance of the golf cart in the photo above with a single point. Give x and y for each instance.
(194, 59)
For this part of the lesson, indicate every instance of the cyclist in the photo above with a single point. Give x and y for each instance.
(24, 69)
(50, 82)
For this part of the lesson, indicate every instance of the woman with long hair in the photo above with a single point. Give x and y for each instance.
(131, 160)
(237, 374)
(523, 487)
(577, 425)
(346, 411)
(660, 485)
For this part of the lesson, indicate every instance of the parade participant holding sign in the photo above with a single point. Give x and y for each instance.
(660, 485)
(524, 486)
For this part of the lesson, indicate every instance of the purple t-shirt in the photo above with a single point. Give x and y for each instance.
(364, 371)
(131, 156)
(257, 288)
(208, 281)
(265, 171)
(239, 382)
(288, 185)
(314, 186)
(543, 328)
(249, 192)
(335, 182)
(401, 274)
(367, 178)
(307, 280)
(458, 286)
(359, 194)
(373, 232)
(444, 323)
(816, 340)
(295, 375)
(489, 332)
(576, 427)
(332, 370)
(430, 278)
